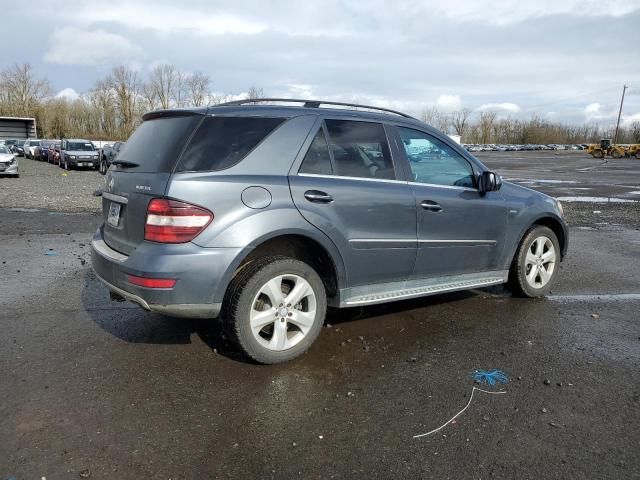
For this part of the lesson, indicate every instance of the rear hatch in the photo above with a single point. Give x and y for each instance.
(140, 173)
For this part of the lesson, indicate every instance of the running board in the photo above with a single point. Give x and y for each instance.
(389, 292)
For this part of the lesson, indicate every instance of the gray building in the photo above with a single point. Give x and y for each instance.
(16, 127)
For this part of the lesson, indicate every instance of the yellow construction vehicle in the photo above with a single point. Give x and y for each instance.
(634, 151)
(606, 148)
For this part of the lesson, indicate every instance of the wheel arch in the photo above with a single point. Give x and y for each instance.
(548, 220)
(319, 253)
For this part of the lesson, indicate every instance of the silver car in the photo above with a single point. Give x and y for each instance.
(8, 162)
(265, 215)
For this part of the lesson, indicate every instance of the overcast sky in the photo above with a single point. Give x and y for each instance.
(564, 59)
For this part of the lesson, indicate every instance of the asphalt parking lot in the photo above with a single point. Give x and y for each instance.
(99, 389)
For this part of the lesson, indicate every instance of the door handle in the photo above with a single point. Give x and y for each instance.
(317, 196)
(431, 205)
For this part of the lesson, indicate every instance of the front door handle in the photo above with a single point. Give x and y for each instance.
(431, 205)
(317, 196)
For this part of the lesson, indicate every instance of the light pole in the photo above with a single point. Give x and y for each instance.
(615, 137)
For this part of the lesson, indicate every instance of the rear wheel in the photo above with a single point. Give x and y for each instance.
(102, 167)
(536, 263)
(616, 154)
(598, 154)
(275, 309)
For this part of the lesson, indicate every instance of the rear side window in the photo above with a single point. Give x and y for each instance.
(317, 160)
(359, 149)
(156, 144)
(221, 142)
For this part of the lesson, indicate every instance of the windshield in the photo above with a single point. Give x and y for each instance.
(4, 149)
(80, 146)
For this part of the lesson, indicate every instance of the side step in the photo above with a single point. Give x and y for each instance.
(372, 294)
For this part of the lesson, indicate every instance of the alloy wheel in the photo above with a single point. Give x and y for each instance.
(540, 262)
(283, 312)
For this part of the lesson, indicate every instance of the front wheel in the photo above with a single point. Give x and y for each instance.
(275, 309)
(536, 263)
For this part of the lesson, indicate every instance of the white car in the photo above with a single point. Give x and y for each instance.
(8, 162)
(30, 148)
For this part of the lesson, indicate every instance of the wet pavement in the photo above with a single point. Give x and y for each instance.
(99, 389)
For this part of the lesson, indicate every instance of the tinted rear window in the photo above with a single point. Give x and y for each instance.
(221, 142)
(156, 144)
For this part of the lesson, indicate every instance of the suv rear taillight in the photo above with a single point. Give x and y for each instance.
(170, 221)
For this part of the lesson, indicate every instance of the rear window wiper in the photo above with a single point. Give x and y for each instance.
(125, 163)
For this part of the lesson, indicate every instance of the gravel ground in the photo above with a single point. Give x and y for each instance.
(45, 186)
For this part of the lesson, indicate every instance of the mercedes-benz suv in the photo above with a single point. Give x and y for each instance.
(265, 212)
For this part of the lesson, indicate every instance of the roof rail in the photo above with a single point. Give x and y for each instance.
(309, 104)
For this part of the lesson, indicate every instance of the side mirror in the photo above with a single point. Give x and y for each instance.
(489, 182)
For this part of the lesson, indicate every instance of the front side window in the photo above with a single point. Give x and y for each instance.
(433, 161)
(359, 149)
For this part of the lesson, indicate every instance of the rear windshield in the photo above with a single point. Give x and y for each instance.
(221, 142)
(156, 144)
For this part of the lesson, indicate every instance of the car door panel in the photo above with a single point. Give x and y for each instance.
(372, 220)
(459, 230)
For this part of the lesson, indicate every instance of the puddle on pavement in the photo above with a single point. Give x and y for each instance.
(596, 199)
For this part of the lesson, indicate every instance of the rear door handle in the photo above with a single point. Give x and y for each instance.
(431, 205)
(317, 196)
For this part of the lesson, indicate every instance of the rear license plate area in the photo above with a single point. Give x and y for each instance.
(113, 217)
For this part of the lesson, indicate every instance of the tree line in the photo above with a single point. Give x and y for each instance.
(114, 106)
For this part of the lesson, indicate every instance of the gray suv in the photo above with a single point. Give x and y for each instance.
(266, 214)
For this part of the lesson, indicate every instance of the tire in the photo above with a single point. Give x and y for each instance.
(523, 281)
(598, 154)
(638, 155)
(616, 154)
(66, 165)
(102, 167)
(246, 303)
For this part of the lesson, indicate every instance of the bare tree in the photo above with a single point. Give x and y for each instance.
(486, 125)
(22, 91)
(460, 121)
(197, 85)
(255, 93)
(125, 84)
(148, 97)
(102, 97)
(163, 80)
(436, 119)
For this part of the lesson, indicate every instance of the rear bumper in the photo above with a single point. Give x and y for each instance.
(201, 275)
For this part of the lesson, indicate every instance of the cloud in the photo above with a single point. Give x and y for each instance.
(168, 18)
(68, 93)
(449, 102)
(502, 12)
(628, 120)
(506, 106)
(75, 46)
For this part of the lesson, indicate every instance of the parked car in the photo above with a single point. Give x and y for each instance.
(29, 147)
(78, 153)
(108, 153)
(53, 153)
(304, 207)
(8, 162)
(41, 151)
(16, 146)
